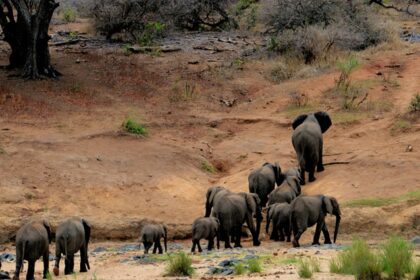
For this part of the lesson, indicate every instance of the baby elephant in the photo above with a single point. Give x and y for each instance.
(279, 213)
(32, 242)
(205, 228)
(71, 236)
(152, 234)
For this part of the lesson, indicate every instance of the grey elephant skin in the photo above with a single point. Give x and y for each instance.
(263, 180)
(205, 228)
(233, 210)
(152, 234)
(287, 192)
(279, 213)
(72, 235)
(308, 142)
(32, 242)
(307, 211)
(212, 196)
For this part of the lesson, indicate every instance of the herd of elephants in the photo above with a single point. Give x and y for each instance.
(226, 211)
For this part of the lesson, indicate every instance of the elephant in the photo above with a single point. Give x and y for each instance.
(287, 192)
(307, 211)
(308, 143)
(263, 180)
(32, 242)
(280, 214)
(233, 210)
(72, 235)
(152, 234)
(205, 228)
(212, 196)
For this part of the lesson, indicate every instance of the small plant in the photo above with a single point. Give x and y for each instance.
(127, 49)
(401, 125)
(344, 86)
(239, 268)
(152, 30)
(304, 269)
(69, 14)
(208, 167)
(272, 44)
(75, 88)
(397, 257)
(180, 265)
(357, 260)
(316, 267)
(254, 266)
(298, 99)
(186, 93)
(415, 103)
(416, 272)
(238, 64)
(134, 127)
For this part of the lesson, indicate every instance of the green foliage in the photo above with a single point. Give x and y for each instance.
(401, 125)
(273, 44)
(187, 92)
(152, 30)
(344, 87)
(180, 265)
(254, 266)
(69, 14)
(315, 265)
(379, 202)
(243, 5)
(397, 257)
(75, 88)
(239, 268)
(416, 272)
(358, 260)
(304, 269)
(415, 103)
(208, 167)
(127, 49)
(134, 127)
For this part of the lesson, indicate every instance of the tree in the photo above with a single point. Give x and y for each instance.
(25, 27)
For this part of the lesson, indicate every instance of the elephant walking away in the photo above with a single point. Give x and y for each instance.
(308, 142)
(263, 180)
(307, 211)
(287, 192)
(280, 214)
(72, 235)
(212, 196)
(151, 234)
(205, 228)
(32, 242)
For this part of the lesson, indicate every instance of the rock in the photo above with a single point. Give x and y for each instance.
(416, 240)
(4, 275)
(9, 257)
(99, 250)
(128, 248)
(250, 257)
(228, 262)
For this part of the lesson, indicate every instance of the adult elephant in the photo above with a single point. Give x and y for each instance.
(307, 211)
(280, 214)
(263, 180)
(72, 235)
(212, 196)
(233, 210)
(308, 143)
(32, 242)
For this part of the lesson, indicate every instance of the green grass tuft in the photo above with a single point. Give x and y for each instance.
(316, 267)
(69, 15)
(180, 265)
(379, 202)
(304, 269)
(134, 127)
(208, 167)
(254, 266)
(239, 269)
(357, 260)
(397, 257)
(415, 103)
(416, 272)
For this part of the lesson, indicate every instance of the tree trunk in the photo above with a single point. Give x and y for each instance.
(28, 37)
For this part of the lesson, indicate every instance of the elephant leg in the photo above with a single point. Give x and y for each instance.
(326, 234)
(83, 260)
(71, 264)
(210, 245)
(312, 174)
(159, 246)
(31, 270)
(226, 237)
(302, 175)
(45, 260)
(218, 241)
(155, 247)
(287, 231)
(319, 226)
(320, 165)
(147, 246)
(297, 233)
(281, 234)
(199, 246)
(19, 264)
(193, 246)
(57, 264)
(238, 233)
(66, 266)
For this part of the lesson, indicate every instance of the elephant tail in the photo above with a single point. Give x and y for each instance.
(22, 258)
(87, 229)
(267, 227)
(65, 238)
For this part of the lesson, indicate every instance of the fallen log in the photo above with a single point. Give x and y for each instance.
(337, 162)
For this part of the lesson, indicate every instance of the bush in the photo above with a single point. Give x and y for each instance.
(304, 269)
(358, 260)
(239, 268)
(69, 14)
(134, 127)
(254, 266)
(180, 265)
(415, 103)
(397, 257)
(416, 272)
(348, 92)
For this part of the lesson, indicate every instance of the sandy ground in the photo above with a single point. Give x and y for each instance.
(63, 152)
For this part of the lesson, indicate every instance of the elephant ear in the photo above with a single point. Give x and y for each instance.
(251, 202)
(48, 228)
(294, 183)
(87, 227)
(277, 173)
(327, 204)
(324, 120)
(299, 120)
(165, 230)
(336, 206)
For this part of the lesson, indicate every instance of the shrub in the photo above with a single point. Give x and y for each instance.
(348, 92)
(134, 127)
(416, 272)
(397, 257)
(415, 103)
(208, 167)
(298, 99)
(315, 265)
(304, 269)
(180, 265)
(254, 266)
(69, 14)
(239, 268)
(357, 260)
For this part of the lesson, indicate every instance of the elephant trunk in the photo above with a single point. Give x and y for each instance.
(337, 225)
